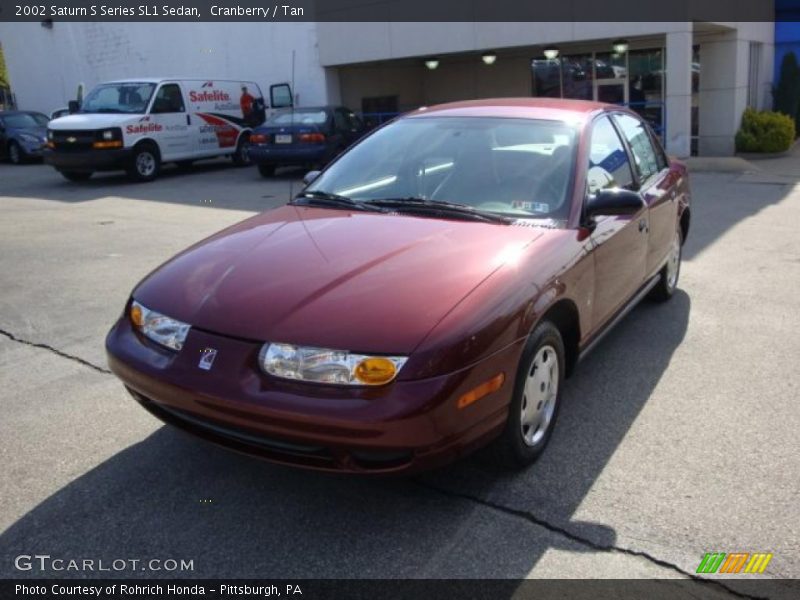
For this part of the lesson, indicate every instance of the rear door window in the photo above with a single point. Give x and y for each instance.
(635, 132)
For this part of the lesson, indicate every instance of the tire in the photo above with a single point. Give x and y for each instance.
(266, 170)
(668, 278)
(15, 153)
(76, 175)
(241, 158)
(535, 404)
(145, 163)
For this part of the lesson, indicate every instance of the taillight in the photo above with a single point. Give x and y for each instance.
(259, 138)
(311, 138)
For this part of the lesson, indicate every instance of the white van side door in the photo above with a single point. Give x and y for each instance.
(168, 112)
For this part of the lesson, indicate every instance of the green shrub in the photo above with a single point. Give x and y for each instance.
(765, 132)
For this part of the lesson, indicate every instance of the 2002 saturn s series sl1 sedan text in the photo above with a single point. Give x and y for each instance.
(424, 295)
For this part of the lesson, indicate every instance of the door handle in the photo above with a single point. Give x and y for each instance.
(643, 225)
(188, 120)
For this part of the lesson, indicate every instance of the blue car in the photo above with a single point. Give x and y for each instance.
(303, 136)
(23, 135)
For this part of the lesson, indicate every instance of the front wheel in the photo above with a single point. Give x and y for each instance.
(241, 158)
(145, 163)
(668, 278)
(536, 400)
(15, 154)
(76, 175)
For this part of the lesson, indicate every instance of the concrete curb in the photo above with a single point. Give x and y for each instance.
(719, 164)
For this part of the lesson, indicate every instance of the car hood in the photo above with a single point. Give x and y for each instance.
(92, 121)
(356, 281)
(39, 132)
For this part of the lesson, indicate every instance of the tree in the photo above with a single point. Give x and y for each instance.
(787, 92)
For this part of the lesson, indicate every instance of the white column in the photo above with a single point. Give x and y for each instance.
(679, 92)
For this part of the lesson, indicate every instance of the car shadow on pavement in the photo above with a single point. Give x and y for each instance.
(171, 496)
(209, 184)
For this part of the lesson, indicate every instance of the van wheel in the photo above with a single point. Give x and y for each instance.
(145, 163)
(266, 170)
(76, 175)
(536, 399)
(241, 158)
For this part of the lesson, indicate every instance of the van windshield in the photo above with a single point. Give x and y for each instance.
(130, 98)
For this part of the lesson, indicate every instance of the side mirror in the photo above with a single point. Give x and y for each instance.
(613, 202)
(310, 176)
(74, 106)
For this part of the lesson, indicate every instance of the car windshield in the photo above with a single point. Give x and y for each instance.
(299, 117)
(23, 120)
(514, 167)
(118, 98)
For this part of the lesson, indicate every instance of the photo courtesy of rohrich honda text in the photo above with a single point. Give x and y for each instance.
(399, 299)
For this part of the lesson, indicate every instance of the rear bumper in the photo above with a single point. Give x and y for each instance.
(405, 427)
(88, 160)
(271, 154)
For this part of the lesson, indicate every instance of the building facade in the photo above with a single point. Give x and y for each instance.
(691, 80)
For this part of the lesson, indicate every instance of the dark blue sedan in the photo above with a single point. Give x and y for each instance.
(23, 135)
(303, 136)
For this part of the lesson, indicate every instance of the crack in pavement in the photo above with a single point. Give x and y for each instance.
(56, 351)
(531, 518)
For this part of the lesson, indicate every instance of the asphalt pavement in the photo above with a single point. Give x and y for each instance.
(677, 436)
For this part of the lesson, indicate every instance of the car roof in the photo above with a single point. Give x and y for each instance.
(558, 109)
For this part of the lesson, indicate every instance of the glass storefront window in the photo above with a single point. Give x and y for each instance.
(546, 77)
(578, 76)
(646, 95)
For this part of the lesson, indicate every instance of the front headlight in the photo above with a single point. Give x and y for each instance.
(159, 328)
(323, 365)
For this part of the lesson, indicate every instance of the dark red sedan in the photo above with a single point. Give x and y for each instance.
(424, 295)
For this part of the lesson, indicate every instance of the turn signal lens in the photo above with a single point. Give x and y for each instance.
(375, 371)
(484, 389)
(112, 144)
(137, 316)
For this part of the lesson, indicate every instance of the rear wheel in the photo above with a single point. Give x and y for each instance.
(668, 278)
(145, 163)
(266, 170)
(241, 158)
(536, 400)
(76, 175)
(15, 153)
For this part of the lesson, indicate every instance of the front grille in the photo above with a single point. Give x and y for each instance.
(73, 141)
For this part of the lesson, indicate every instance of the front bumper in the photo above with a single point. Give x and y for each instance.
(406, 426)
(89, 160)
(273, 154)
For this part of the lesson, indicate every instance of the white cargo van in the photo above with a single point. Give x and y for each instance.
(136, 125)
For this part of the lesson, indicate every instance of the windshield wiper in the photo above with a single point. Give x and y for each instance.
(319, 197)
(441, 206)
